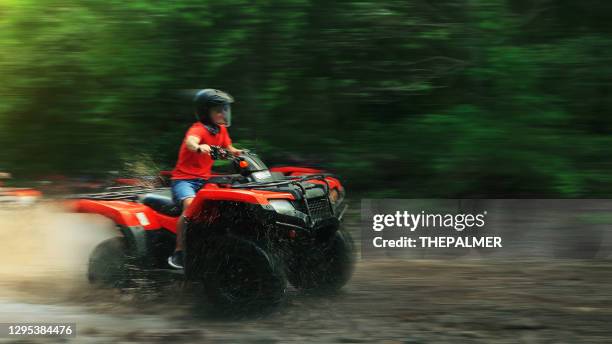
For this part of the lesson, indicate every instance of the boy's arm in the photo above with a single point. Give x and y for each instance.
(235, 151)
(193, 144)
(227, 144)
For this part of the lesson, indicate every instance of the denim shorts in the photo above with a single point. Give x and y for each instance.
(185, 188)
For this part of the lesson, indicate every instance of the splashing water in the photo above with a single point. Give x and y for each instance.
(45, 250)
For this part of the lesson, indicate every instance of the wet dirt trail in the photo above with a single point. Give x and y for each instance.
(388, 300)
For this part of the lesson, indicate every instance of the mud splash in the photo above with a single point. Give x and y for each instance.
(45, 250)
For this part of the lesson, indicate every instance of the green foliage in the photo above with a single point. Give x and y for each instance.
(409, 98)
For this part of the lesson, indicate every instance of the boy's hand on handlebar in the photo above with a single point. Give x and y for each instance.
(219, 153)
(234, 151)
(205, 149)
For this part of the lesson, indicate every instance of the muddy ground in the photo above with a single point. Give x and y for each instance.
(463, 300)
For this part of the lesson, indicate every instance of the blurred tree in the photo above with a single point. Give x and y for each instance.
(492, 98)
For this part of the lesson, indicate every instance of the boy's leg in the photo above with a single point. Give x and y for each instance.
(180, 226)
(183, 191)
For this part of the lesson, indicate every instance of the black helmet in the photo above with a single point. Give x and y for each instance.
(206, 99)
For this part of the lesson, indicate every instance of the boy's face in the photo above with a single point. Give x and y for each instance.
(220, 114)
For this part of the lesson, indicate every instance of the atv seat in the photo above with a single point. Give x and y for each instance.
(161, 203)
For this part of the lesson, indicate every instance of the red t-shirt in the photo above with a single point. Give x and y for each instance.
(193, 165)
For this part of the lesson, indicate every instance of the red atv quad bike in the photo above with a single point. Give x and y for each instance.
(247, 233)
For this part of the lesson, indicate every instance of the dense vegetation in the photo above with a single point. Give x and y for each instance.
(412, 98)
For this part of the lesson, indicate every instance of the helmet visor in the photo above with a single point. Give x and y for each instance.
(222, 115)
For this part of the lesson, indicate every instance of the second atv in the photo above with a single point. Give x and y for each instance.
(248, 233)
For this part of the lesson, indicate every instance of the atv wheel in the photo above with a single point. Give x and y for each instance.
(239, 275)
(109, 263)
(327, 268)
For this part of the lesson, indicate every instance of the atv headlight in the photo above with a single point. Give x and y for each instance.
(282, 206)
(333, 196)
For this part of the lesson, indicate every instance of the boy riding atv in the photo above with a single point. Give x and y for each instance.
(242, 236)
(213, 114)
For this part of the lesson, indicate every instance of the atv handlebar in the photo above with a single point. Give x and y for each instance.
(220, 153)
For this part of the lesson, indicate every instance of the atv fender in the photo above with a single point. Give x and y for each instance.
(136, 239)
(132, 220)
(260, 197)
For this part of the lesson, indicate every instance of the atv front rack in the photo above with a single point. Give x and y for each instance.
(292, 180)
(298, 182)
